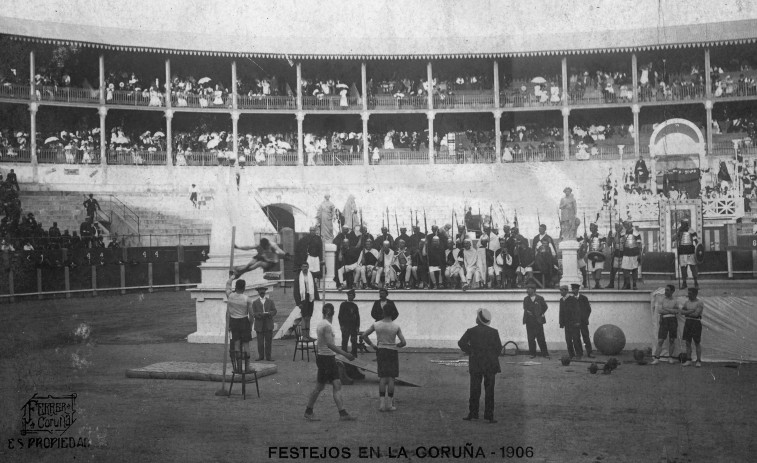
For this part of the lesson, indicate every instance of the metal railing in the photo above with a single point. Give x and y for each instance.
(15, 91)
(392, 103)
(67, 156)
(130, 98)
(68, 94)
(193, 100)
(127, 214)
(15, 154)
(477, 100)
(288, 158)
(136, 157)
(736, 90)
(671, 93)
(400, 157)
(601, 152)
(483, 155)
(266, 102)
(330, 102)
(515, 99)
(538, 155)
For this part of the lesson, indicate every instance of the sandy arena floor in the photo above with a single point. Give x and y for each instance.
(550, 412)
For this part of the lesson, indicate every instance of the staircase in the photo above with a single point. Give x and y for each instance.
(158, 220)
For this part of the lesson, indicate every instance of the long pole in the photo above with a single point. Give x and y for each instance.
(222, 391)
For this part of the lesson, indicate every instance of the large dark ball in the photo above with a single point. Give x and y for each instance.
(609, 339)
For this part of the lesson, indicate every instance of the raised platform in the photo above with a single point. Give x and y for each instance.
(437, 319)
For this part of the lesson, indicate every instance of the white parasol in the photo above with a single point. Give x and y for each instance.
(204, 80)
(539, 80)
(50, 140)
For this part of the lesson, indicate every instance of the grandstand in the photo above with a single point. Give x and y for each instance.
(499, 111)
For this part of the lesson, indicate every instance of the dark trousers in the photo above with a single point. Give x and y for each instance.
(573, 340)
(349, 335)
(586, 337)
(475, 394)
(264, 344)
(535, 333)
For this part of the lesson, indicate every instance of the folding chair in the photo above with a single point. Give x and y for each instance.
(302, 344)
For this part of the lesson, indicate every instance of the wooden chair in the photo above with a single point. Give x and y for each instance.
(238, 363)
(302, 344)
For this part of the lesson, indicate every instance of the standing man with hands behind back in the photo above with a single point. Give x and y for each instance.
(263, 311)
(483, 345)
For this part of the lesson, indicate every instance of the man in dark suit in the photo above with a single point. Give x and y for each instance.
(305, 295)
(534, 308)
(483, 345)
(584, 309)
(310, 249)
(570, 320)
(377, 311)
(263, 311)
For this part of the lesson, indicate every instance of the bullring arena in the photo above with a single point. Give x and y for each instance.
(460, 155)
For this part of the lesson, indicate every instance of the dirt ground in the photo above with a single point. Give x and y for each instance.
(550, 412)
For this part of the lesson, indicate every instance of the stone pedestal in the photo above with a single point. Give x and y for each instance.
(570, 275)
(329, 255)
(210, 295)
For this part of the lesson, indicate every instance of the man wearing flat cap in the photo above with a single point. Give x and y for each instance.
(482, 344)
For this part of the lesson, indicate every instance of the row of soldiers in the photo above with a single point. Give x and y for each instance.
(440, 259)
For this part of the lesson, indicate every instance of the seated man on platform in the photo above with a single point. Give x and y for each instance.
(489, 262)
(366, 264)
(436, 263)
(453, 274)
(503, 262)
(384, 267)
(419, 268)
(469, 262)
(346, 265)
(525, 271)
(402, 262)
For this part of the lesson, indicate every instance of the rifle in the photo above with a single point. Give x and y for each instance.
(538, 220)
(586, 236)
(425, 224)
(388, 221)
(397, 223)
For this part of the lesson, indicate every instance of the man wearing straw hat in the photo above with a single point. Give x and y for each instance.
(483, 345)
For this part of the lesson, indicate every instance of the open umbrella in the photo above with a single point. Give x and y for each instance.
(158, 135)
(539, 80)
(204, 80)
(341, 85)
(50, 140)
(213, 143)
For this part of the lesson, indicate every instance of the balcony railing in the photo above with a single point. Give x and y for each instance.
(131, 98)
(191, 100)
(68, 94)
(342, 157)
(468, 100)
(397, 104)
(484, 155)
(392, 157)
(267, 102)
(15, 154)
(671, 93)
(15, 91)
(67, 156)
(330, 103)
(600, 152)
(137, 157)
(538, 155)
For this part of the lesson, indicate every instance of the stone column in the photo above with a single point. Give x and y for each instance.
(707, 76)
(169, 137)
(565, 133)
(497, 136)
(708, 132)
(32, 72)
(102, 111)
(102, 78)
(635, 77)
(235, 135)
(564, 66)
(635, 108)
(234, 96)
(33, 108)
(430, 77)
(430, 116)
(496, 85)
(364, 88)
(300, 137)
(168, 83)
(366, 146)
(299, 91)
